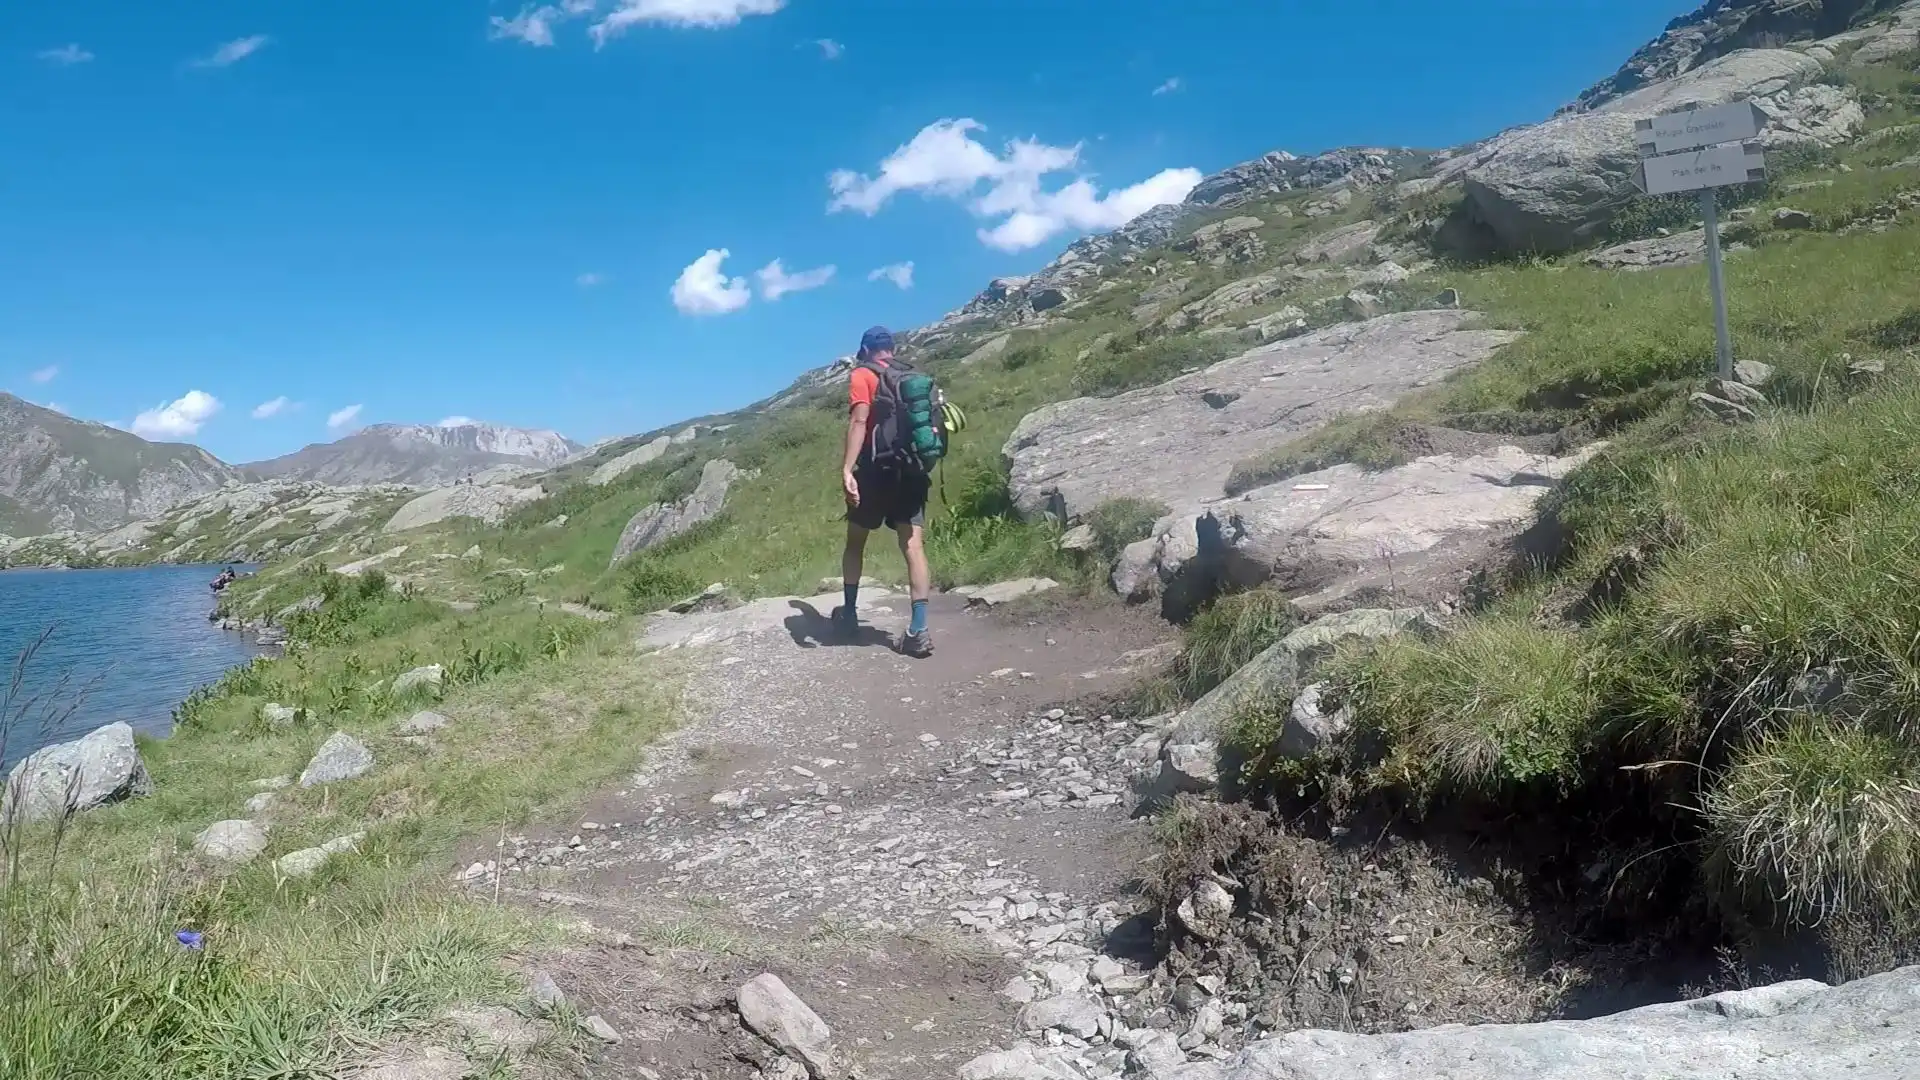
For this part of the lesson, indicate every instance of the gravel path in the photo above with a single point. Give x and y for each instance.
(897, 838)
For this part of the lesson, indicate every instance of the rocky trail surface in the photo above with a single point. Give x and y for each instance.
(850, 864)
(918, 848)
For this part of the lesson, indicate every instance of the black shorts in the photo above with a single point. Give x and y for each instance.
(892, 498)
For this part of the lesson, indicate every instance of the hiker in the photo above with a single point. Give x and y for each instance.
(884, 486)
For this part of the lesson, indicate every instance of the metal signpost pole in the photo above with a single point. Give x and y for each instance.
(1716, 279)
(1701, 150)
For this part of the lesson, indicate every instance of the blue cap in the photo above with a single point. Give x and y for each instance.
(878, 339)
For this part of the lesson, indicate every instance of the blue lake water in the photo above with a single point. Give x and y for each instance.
(126, 645)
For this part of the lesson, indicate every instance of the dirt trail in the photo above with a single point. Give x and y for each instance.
(895, 838)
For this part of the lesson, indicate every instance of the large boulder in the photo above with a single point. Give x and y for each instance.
(640, 455)
(1177, 442)
(1556, 186)
(488, 503)
(1412, 531)
(659, 522)
(54, 781)
(1190, 749)
(1863, 1030)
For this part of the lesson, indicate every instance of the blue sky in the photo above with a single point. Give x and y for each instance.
(448, 208)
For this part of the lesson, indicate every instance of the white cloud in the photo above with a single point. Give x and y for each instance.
(56, 407)
(179, 418)
(340, 418)
(66, 55)
(1170, 86)
(945, 159)
(589, 280)
(900, 273)
(458, 421)
(269, 409)
(233, 52)
(830, 49)
(775, 282)
(705, 289)
(533, 25)
(46, 374)
(705, 14)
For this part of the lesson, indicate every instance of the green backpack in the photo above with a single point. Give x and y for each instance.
(907, 429)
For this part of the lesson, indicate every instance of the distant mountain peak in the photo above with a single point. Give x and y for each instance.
(421, 454)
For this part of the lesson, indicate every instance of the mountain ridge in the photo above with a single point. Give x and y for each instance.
(421, 454)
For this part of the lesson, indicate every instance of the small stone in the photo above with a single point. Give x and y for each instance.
(1019, 991)
(1105, 968)
(778, 1015)
(259, 803)
(429, 677)
(545, 992)
(600, 1029)
(422, 723)
(1065, 979)
(1788, 218)
(304, 862)
(232, 842)
(341, 757)
(1206, 911)
(1070, 1013)
(279, 716)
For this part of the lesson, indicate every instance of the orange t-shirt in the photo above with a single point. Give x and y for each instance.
(860, 390)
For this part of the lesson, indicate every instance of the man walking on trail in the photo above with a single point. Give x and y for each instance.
(884, 493)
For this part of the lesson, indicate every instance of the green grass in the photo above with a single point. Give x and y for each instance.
(1776, 551)
(299, 977)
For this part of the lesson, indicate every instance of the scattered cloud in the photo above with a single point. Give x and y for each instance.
(945, 159)
(703, 14)
(66, 55)
(179, 418)
(534, 25)
(56, 407)
(340, 418)
(705, 289)
(776, 282)
(900, 273)
(590, 279)
(233, 52)
(46, 374)
(266, 410)
(1172, 85)
(829, 48)
(458, 421)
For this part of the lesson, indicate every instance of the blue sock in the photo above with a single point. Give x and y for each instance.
(919, 621)
(852, 589)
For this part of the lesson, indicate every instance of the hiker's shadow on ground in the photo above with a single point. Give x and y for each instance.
(811, 630)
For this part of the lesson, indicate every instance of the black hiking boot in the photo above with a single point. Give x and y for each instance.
(846, 623)
(918, 645)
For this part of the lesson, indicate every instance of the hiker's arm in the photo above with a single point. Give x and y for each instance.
(856, 435)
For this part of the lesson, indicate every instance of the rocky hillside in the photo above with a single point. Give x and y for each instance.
(419, 454)
(60, 473)
(1720, 27)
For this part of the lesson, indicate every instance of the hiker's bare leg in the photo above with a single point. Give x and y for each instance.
(853, 556)
(919, 578)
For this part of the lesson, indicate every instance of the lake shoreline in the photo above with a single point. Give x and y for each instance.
(129, 646)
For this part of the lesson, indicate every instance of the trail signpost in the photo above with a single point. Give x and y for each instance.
(1704, 150)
